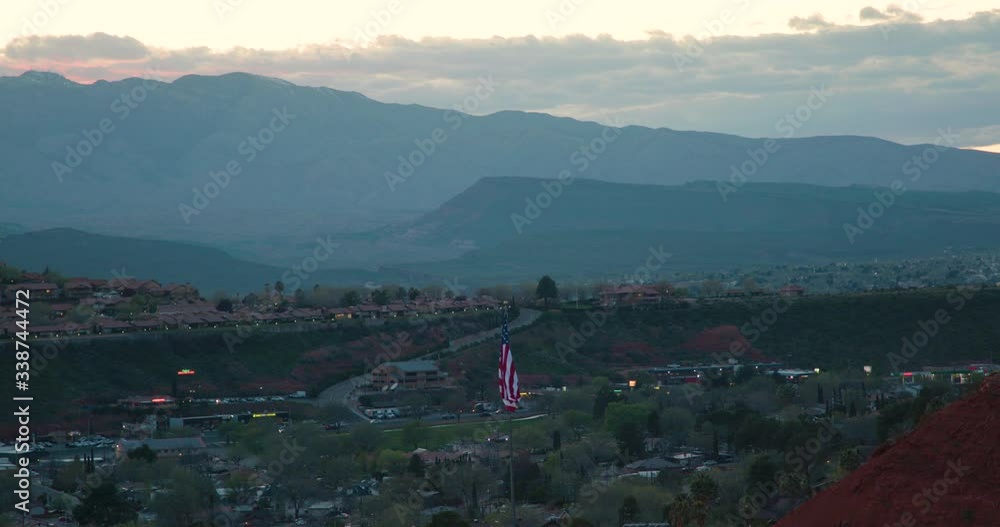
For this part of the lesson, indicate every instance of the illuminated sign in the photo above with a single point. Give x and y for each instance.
(185, 372)
(631, 384)
(272, 414)
(159, 400)
(868, 369)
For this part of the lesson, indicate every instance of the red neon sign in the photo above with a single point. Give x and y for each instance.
(185, 372)
(159, 400)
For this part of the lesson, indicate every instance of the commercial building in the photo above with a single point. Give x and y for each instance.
(412, 374)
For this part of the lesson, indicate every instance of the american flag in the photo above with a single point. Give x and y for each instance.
(507, 373)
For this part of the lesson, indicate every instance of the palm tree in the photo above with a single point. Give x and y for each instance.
(679, 510)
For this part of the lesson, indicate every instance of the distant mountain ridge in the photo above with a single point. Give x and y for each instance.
(593, 230)
(75, 253)
(325, 171)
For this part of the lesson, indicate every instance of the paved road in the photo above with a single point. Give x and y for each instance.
(344, 392)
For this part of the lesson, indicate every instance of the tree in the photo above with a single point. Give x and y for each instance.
(224, 305)
(704, 488)
(251, 300)
(819, 394)
(143, 453)
(629, 435)
(413, 293)
(350, 298)
(682, 510)
(189, 496)
(67, 478)
(629, 511)
(300, 297)
(366, 437)
(653, 424)
(279, 287)
(546, 290)
(413, 434)
(240, 487)
(416, 466)
(761, 471)
(104, 506)
(786, 394)
(380, 297)
(711, 288)
(447, 519)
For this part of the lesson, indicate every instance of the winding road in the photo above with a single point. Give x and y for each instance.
(345, 392)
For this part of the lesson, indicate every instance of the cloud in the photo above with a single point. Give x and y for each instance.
(927, 76)
(899, 14)
(97, 46)
(893, 13)
(808, 24)
(870, 13)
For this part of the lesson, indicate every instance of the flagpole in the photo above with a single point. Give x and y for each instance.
(510, 438)
(508, 394)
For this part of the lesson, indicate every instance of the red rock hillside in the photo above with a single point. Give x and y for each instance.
(944, 473)
(718, 341)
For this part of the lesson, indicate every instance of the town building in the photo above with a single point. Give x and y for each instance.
(412, 374)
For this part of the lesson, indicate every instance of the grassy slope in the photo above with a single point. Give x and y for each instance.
(822, 331)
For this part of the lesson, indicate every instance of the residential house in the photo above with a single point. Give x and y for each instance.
(181, 292)
(631, 295)
(36, 291)
(78, 288)
(792, 290)
(172, 447)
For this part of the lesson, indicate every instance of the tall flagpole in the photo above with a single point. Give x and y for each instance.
(513, 504)
(510, 439)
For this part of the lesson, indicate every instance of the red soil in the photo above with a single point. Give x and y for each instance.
(915, 482)
(718, 340)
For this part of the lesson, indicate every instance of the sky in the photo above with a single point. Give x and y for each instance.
(904, 71)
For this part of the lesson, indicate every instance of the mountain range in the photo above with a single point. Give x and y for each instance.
(249, 172)
(591, 230)
(136, 158)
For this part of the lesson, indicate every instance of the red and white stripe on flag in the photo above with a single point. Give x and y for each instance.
(509, 390)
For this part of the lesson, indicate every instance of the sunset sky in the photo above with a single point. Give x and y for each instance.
(899, 70)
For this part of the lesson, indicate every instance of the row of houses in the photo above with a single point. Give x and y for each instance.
(198, 315)
(86, 288)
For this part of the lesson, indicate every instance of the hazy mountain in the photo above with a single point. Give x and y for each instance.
(592, 230)
(75, 253)
(323, 169)
(599, 229)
